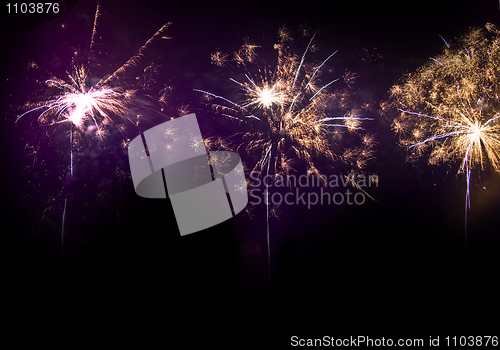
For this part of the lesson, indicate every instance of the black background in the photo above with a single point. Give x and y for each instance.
(397, 264)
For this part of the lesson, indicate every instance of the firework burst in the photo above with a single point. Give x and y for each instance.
(89, 108)
(78, 104)
(450, 108)
(290, 115)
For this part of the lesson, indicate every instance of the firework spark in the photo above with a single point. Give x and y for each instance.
(450, 108)
(290, 116)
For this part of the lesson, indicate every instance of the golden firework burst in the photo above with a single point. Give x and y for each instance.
(449, 109)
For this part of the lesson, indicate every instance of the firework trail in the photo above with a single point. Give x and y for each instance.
(450, 108)
(87, 107)
(289, 116)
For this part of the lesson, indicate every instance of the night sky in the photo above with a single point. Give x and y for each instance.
(400, 263)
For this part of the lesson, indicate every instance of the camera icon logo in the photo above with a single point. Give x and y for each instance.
(171, 160)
